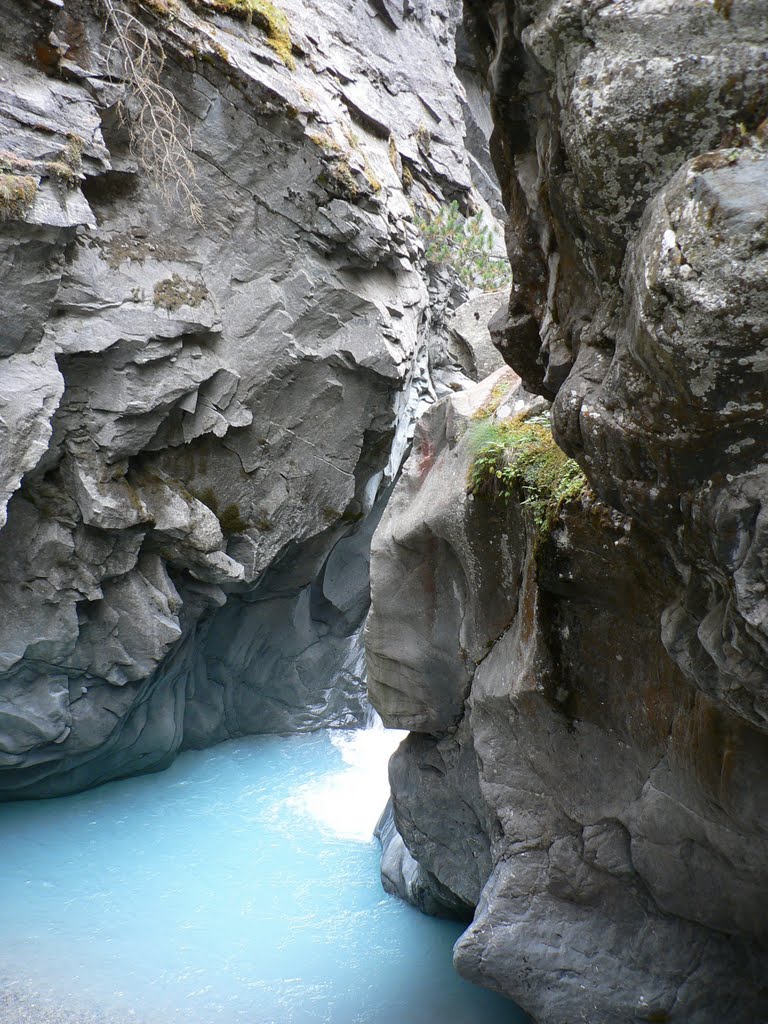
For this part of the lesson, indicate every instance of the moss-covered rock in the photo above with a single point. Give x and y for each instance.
(231, 520)
(266, 16)
(519, 458)
(66, 168)
(175, 291)
(17, 193)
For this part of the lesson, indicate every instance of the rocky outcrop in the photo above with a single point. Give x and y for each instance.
(563, 776)
(203, 400)
(640, 298)
(588, 759)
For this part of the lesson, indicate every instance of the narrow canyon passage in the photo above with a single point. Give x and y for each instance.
(405, 355)
(241, 886)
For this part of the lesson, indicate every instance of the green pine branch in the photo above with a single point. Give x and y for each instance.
(464, 245)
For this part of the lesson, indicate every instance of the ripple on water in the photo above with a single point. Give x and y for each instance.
(239, 887)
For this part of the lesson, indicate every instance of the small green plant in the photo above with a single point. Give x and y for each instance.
(464, 245)
(17, 193)
(518, 457)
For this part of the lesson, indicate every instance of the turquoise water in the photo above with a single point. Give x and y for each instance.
(240, 886)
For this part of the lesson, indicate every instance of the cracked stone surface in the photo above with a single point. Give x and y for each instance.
(199, 421)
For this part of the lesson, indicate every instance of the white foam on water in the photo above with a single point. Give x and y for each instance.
(349, 802)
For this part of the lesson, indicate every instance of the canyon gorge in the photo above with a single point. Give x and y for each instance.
(269, 456)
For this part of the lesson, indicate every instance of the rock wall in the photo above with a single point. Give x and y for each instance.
(202, 406)
(587, 764)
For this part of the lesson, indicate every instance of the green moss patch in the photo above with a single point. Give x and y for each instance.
(17, 193)
(519, 458)
(266, 16)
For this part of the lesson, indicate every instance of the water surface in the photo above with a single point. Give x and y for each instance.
(241, 886)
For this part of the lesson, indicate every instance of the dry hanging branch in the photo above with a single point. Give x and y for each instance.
(160, 138)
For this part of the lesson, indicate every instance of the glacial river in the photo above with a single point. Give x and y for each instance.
(241, 886)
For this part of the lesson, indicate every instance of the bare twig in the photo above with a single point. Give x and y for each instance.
(160, 137)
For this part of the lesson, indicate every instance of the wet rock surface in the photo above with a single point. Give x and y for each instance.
(200, 417)
(608, 746)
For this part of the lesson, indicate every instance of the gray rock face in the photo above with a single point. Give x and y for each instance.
(640, 304)
(437, 609)
(199, 420)
(470, 342)
(564, 777)
(608, 745)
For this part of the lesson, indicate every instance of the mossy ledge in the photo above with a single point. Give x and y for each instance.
(17, 193)
(20, 177)
(520, 457)
(266, 16)
(174, 292)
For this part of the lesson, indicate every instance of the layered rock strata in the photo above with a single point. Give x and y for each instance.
(588, 761)
(203, 401)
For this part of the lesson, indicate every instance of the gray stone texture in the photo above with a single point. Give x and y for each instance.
(200, 421)
(608, 745)
(563, 776)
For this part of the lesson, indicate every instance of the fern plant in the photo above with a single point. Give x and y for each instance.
(464, 244)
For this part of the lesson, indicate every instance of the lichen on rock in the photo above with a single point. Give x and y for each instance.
(266, 16)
